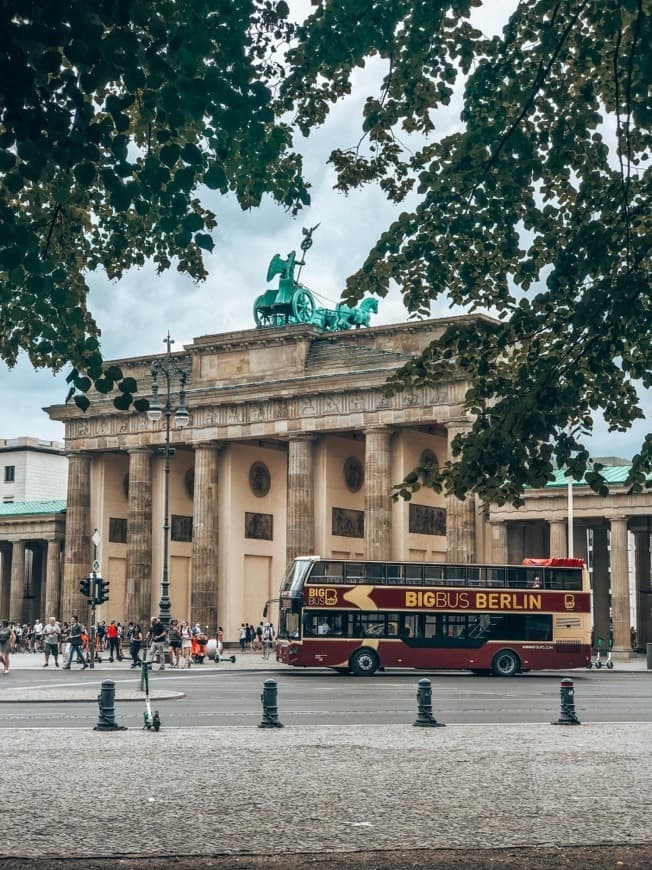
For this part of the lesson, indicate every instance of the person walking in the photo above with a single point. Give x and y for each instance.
(7, 639)
(174, 638)
(243, 637)
(75, 639)
(135, 637)
(186, 643)
(51, 639)
(114, 641)
(220, 640)
(156, 637)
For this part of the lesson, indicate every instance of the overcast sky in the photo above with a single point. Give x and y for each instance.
(136, 313)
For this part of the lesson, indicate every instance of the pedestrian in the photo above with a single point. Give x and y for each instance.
(75, 633)
(250, 634)
(220, 640)
(37, 630)
(7, 639)
(51, 637)
(259, 635)
(266, 640)
(174, 637)
(112, 640)
(156, 637)
(186, 643)
(243, 636)
(135, 637)
(101, 635)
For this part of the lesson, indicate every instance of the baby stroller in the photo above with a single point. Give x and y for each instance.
(198, 648)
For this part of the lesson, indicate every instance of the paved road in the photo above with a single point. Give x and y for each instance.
(221, 696)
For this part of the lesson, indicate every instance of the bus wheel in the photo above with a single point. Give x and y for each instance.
(363, 662)
(505, 663)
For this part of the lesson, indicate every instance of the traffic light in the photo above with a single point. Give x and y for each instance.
(85, 587)
(102, 590)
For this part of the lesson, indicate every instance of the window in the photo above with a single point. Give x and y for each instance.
(117, 530)
(10, 473)
(331, 571)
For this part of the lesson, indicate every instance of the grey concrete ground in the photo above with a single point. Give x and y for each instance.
(347, 796)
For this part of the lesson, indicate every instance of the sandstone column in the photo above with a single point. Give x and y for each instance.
(5, 579)
(499, 548)
(204, 579)
(558, 533)
(300, 498)
(620, 584)
(644, 588)
(139, 538)
(460, 514)
(377, 499)
(600, 586)
(53, 580)
(78, 550)
(17, 591)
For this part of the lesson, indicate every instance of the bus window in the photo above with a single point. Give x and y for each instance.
(474, 576)
(454, 625)
(394, 575)
(413, 574)
(333, 572)
(355, 572)
(430, 625)
(517, 578)
(375, 572)
(433, 575)
(373, 624)
(455, 575)
(409, 626)
(495, 576)
(564, 578)
(322, 624)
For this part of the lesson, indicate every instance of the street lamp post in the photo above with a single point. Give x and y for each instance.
(166, 368)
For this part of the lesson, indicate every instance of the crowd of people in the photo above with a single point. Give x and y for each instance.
(259, 638)
(70, 642)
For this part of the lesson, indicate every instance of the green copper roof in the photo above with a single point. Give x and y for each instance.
(27, 508)
(614, 475)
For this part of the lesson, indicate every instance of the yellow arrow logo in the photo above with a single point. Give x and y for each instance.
(359, 597)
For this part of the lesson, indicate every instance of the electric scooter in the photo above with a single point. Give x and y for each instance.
(152, 720)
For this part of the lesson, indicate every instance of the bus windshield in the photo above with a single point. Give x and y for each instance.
(295, 576)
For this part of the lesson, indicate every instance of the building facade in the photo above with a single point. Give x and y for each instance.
(33, 487)
(32, 470)
(613, 535)
(294, 447)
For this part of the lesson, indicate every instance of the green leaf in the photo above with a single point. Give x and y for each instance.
(203, 240)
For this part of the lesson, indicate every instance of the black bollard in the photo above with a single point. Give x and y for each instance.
(425, 719)
(106, 700)
(567, 715)
(269, 699)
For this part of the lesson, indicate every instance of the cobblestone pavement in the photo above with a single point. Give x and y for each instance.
(315, 794)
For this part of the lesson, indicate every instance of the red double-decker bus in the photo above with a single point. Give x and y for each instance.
(360, 617)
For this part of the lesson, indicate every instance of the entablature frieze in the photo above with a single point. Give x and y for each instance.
(274, 417)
